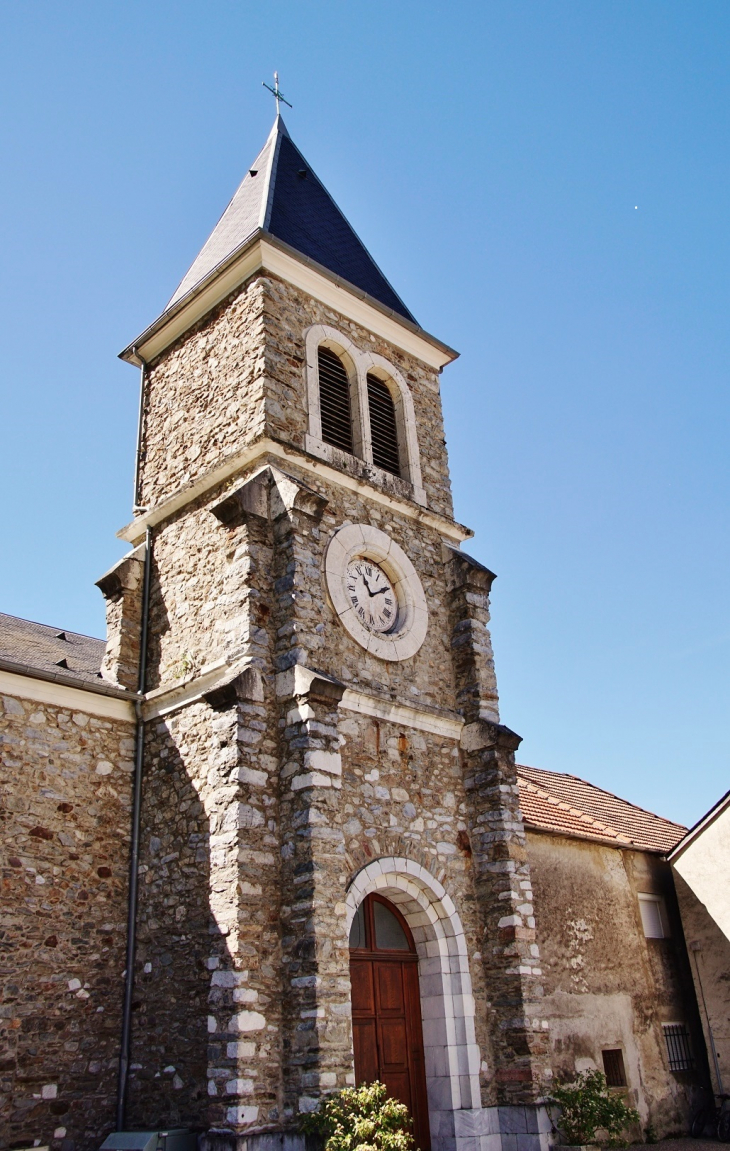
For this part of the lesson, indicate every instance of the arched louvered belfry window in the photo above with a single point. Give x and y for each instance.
(383, 426)
(334, 400)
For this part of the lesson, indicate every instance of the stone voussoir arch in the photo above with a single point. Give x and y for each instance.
(451, 1052)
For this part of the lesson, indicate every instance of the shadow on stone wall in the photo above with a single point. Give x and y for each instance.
(176, 936)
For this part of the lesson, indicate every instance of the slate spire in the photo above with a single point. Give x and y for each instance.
(281, 196)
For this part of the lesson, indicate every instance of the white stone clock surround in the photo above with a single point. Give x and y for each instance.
(362, 540)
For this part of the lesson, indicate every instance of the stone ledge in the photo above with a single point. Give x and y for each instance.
(238, 462)
(485, 734)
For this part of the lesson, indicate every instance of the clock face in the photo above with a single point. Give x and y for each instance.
(375, 591)
(371, 594)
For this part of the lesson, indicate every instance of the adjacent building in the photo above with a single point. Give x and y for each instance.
(617, 985)
(701, 866)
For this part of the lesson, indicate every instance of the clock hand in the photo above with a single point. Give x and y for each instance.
(367, 585)
(380, 591)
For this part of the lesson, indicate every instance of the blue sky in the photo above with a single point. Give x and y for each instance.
(546, 186)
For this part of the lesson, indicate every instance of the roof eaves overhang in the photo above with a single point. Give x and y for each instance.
(261, 250)
(100, 688)
(694, 832)
(605, 841)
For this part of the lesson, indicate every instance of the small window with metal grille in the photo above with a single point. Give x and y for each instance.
(334, 400)
(383, 426)
(678, 1049)
(613, 1067)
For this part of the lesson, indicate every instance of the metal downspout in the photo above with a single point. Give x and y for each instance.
(140, 423)
(134, 852)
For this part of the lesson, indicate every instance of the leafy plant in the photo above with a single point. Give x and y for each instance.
(587, 1106)
(361, 1119)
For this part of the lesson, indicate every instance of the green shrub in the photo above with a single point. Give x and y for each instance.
(587, 1106)
(361, 1119)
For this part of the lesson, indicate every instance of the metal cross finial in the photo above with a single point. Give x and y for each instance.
(276, 92)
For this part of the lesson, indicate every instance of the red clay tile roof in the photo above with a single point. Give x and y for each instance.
(554, 801)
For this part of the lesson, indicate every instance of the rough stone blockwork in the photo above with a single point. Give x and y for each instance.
(239, 375)
(289, 773)
(265, 798)
(65, 834)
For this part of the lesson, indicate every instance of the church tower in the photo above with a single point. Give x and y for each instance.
(333, 877)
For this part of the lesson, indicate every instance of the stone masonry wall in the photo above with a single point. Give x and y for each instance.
(264, 800)
(251, 589)
(208, 927)
(288, 312)
(404, 796)
(66, 780)
(588, 894)
(200, 599)
(168, 1050)
(210, 973)
(503, 882)
(239, 374)
(204, 397)
(122, 588)
(207, 1041)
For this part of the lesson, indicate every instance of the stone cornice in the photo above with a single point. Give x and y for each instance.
(190, 689)
(263, 252)
(436, 722)
(134, 532)
(302, 681)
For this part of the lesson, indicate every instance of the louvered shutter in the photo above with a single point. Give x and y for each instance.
(383, 427)
(651, 916)
(334, 401)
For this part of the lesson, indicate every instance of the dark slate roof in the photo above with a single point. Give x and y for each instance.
(282, 196)
(43, 648)
(243, 216)
(565, 804)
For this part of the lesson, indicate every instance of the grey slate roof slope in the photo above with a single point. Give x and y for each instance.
(243, 216)
(37, 646)
(281, 195)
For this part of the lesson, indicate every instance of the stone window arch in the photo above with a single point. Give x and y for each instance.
(361, 364)
(452, 1056)
(339, 345)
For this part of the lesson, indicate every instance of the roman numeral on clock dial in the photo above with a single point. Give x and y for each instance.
(371, 594)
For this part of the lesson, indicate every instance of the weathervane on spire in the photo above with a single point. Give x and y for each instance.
(276, 92)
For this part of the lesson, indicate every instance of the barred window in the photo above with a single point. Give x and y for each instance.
(613, 1066)
(383, 426)
(678, 1049)
(334, 400)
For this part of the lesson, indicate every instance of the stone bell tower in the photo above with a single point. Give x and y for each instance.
(326, 780)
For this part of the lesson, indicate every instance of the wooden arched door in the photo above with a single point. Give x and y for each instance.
(386, 1008)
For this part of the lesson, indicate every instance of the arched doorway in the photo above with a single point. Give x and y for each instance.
(386, 1008)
